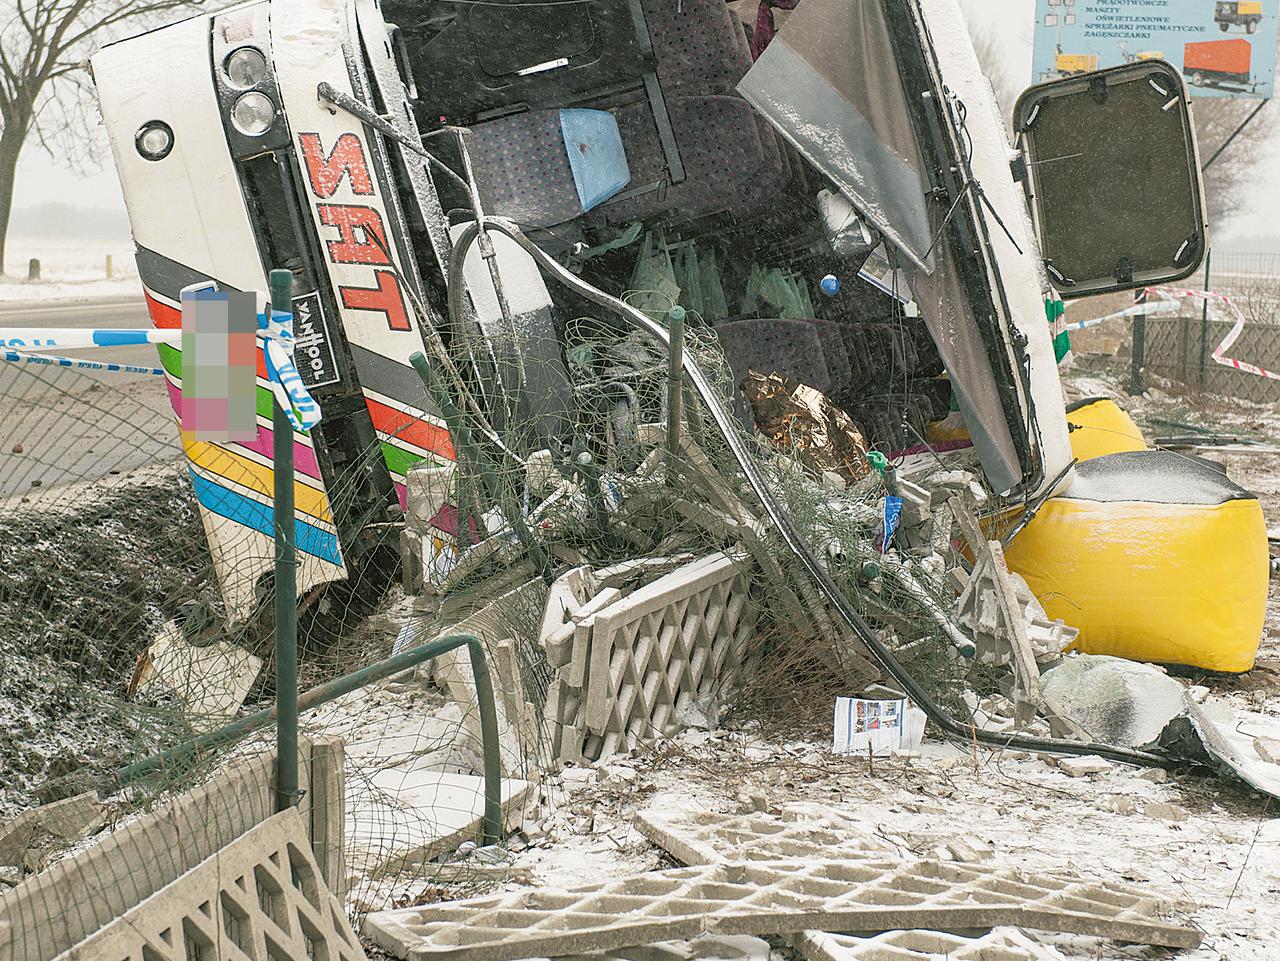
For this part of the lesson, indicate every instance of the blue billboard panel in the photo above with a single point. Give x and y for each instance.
(1224, 48)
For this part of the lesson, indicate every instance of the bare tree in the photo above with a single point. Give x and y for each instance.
(45, 89)
(1231, 181)
(995, 65)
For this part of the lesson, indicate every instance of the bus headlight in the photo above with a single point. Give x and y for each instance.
(154, 140)
(245, 67)
(253, 114)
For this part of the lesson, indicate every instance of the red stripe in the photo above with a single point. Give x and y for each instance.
(164, 316)
(401, 426)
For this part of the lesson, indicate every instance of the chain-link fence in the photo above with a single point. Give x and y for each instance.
(1180, 346)
(118, 649)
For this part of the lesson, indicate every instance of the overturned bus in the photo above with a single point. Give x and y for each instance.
(841, 201)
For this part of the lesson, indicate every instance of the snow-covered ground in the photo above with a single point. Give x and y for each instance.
(70, 270)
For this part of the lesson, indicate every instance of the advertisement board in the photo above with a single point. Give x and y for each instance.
(1224, 48)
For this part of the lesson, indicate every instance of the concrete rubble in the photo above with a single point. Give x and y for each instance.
(999, 944)
(34, 835)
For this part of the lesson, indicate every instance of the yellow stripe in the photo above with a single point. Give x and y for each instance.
(241, 470)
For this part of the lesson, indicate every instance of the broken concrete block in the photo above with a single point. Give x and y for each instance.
(1119, 804)
(1165, 812)
(569, 592)
(1119, 702)
(264, 887)
(211, 682)
(1157, 775)
(1000, 944)
(1082, 766)
(432, 812)
(507, 616)
(784, 897)
(68, 820)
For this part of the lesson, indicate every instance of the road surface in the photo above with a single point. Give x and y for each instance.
(59, 426)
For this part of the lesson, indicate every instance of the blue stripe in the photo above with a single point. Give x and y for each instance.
(249, 512)
(119, 338)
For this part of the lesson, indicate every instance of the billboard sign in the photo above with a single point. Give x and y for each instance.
(1224, 48)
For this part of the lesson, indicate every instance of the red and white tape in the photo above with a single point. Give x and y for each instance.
(1169, 300)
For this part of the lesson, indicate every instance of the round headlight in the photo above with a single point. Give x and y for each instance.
(154, 140)
(253, 114)
(245, 67)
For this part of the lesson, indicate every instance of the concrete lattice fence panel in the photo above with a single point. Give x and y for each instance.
(1002, 944)
(781, 897)
(634, 661)
(260, 897)
(67, 902)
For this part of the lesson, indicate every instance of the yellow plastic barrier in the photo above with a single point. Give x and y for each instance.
(1099, 426)
(1154, 556)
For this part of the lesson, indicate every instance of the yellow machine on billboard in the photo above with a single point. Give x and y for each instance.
(1245, 13)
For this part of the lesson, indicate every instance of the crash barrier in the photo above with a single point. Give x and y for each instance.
(1162, 527)
(1099, 426)
(132, 622)
(67, 902)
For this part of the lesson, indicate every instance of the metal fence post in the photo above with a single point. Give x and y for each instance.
(1204, 319)
(281, 283)
(675, 387)
(1138, 350)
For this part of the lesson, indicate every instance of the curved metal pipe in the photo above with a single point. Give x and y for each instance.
(725, 423)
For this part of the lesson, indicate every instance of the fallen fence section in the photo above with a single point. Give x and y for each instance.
(73, 899)
(628, 665)
(263, 893)
(811, 833)
(783, 897)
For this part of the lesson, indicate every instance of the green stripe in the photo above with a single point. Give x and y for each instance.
(171, 359)
(399, 460)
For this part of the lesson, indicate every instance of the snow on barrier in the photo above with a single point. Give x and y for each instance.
(264, 893)
(54, 910)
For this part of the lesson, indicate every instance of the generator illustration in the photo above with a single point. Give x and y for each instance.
(1232, 13)
(1223, 64)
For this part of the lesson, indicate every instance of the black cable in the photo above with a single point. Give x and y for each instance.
(778, 514)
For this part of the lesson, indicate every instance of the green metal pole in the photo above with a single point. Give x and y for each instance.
(469, 454)
(281, 282)
(675, 384)
(330, 690)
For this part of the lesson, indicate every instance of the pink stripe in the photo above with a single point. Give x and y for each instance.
(304, 458)
(402, 492)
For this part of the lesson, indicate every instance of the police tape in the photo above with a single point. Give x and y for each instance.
(1169, 300)
(1219, 355)
(282, 376)
(53, 360)
(1145, 310)
(27, 345)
